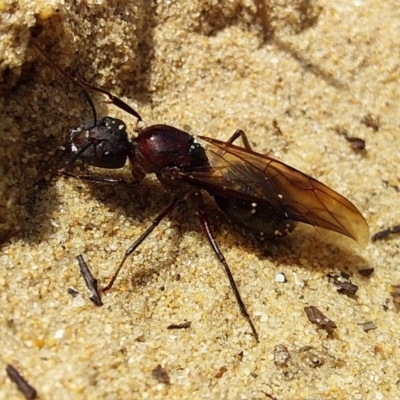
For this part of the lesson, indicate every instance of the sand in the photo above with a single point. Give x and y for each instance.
(317, 68)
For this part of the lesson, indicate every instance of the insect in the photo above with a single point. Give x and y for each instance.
(257, 192)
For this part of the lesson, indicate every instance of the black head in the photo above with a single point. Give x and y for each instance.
(107, 143)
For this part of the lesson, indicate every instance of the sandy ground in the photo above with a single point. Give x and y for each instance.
(316, 68)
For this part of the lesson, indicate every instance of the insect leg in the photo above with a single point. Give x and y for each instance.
(141, 238)
(245, 140)
(50, 172)
(102, 179)
(199, 201)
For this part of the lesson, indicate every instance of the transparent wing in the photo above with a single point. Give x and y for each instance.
(235, 171)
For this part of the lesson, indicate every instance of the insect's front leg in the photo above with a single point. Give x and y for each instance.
(102, 179)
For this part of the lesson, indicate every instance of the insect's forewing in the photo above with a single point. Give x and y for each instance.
(235, 171)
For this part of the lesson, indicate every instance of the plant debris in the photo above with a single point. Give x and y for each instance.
(24, 387)
(384, 233)
(316, 317)
(161, 375)
(183, 325)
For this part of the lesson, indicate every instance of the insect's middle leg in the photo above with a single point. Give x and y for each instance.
(139, 241)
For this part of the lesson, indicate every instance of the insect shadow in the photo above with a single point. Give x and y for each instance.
(258, 193)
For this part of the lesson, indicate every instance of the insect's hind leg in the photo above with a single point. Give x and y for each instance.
(197, 198)
(245, 140)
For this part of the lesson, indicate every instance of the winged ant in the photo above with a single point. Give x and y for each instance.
(257, 192)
